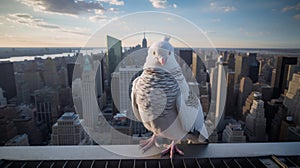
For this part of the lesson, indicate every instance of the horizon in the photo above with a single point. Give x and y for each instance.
(227, 24)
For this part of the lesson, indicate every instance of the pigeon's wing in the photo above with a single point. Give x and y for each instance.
(133, 100)
(190, 112)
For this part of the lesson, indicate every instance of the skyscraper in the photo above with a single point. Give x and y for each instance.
(50, 74)
(126, 74)
(245, 90)
(292, 98)
(230, 96)
(100, 77)
(7, 126)
(70, 69)
(281, 71)
(246, 66)
(187, 56)
(114, 55)
(256, 121)
(218, 94)
(67, 130)
(240, 67)
(28, 81)
(198, 69)
(115, 91)
(3, 100)
(233, 133)
(144, 42)
(47, 104)
(7, 82)
(90, 107)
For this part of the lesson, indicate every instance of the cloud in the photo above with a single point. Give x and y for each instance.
(217, 7)
(297, 17)
(30, 21)
(254, 33)
(159, 3)
(113, 2)
(288, 8)
(26, 19)
(228, 8)
(112, 9)
(97, 18)
(66, 7)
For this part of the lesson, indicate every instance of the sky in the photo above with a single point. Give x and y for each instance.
(217, 23)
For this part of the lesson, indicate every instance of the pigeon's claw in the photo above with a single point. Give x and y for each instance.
(148, 143)
(172, 149)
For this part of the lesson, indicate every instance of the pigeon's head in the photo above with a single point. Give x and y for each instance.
(161, 54)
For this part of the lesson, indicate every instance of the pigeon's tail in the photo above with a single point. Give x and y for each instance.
(199, 125)
(204, 132)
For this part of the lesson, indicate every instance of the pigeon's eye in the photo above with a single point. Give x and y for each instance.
(154, 53)
(169, 52)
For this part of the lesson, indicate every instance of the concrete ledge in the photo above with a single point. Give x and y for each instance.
(213, 150)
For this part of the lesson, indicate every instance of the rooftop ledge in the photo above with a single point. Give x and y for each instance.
(212, 150)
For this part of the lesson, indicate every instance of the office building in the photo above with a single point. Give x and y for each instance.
(28, 80)
(245, 89)
(292, 98)
(293, 134)
(114, 55)
(199, 69)
(279, 80)
(90, 107)
(70, 70)
(3, 100)
(100, 77)
(7, 82)
(230, 96)
(47, 106)
(256, 121)
(230, 61)
(233, 133)
(187, 56)
(26, 123)
(115, 91)
(63, 77)
(144, 42)
(276, 123)
(67, 130)
(291, 70)
(7, 126)
(267, 69)
(126, 74)
(285, 124)
(218, 94)
(246, 65)
(50, 74)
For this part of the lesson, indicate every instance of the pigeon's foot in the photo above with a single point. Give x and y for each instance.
(148, 143)
(172, 149)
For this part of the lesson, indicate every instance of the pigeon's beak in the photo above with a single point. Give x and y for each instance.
(162, 60)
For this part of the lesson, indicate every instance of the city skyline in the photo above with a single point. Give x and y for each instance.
(228, 24)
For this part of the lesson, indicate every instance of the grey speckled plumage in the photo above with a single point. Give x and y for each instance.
(155, 93)
(162, 100)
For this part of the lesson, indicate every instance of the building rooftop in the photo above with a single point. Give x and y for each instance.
(211, 155)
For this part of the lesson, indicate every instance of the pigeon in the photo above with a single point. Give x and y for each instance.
(162, 100)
